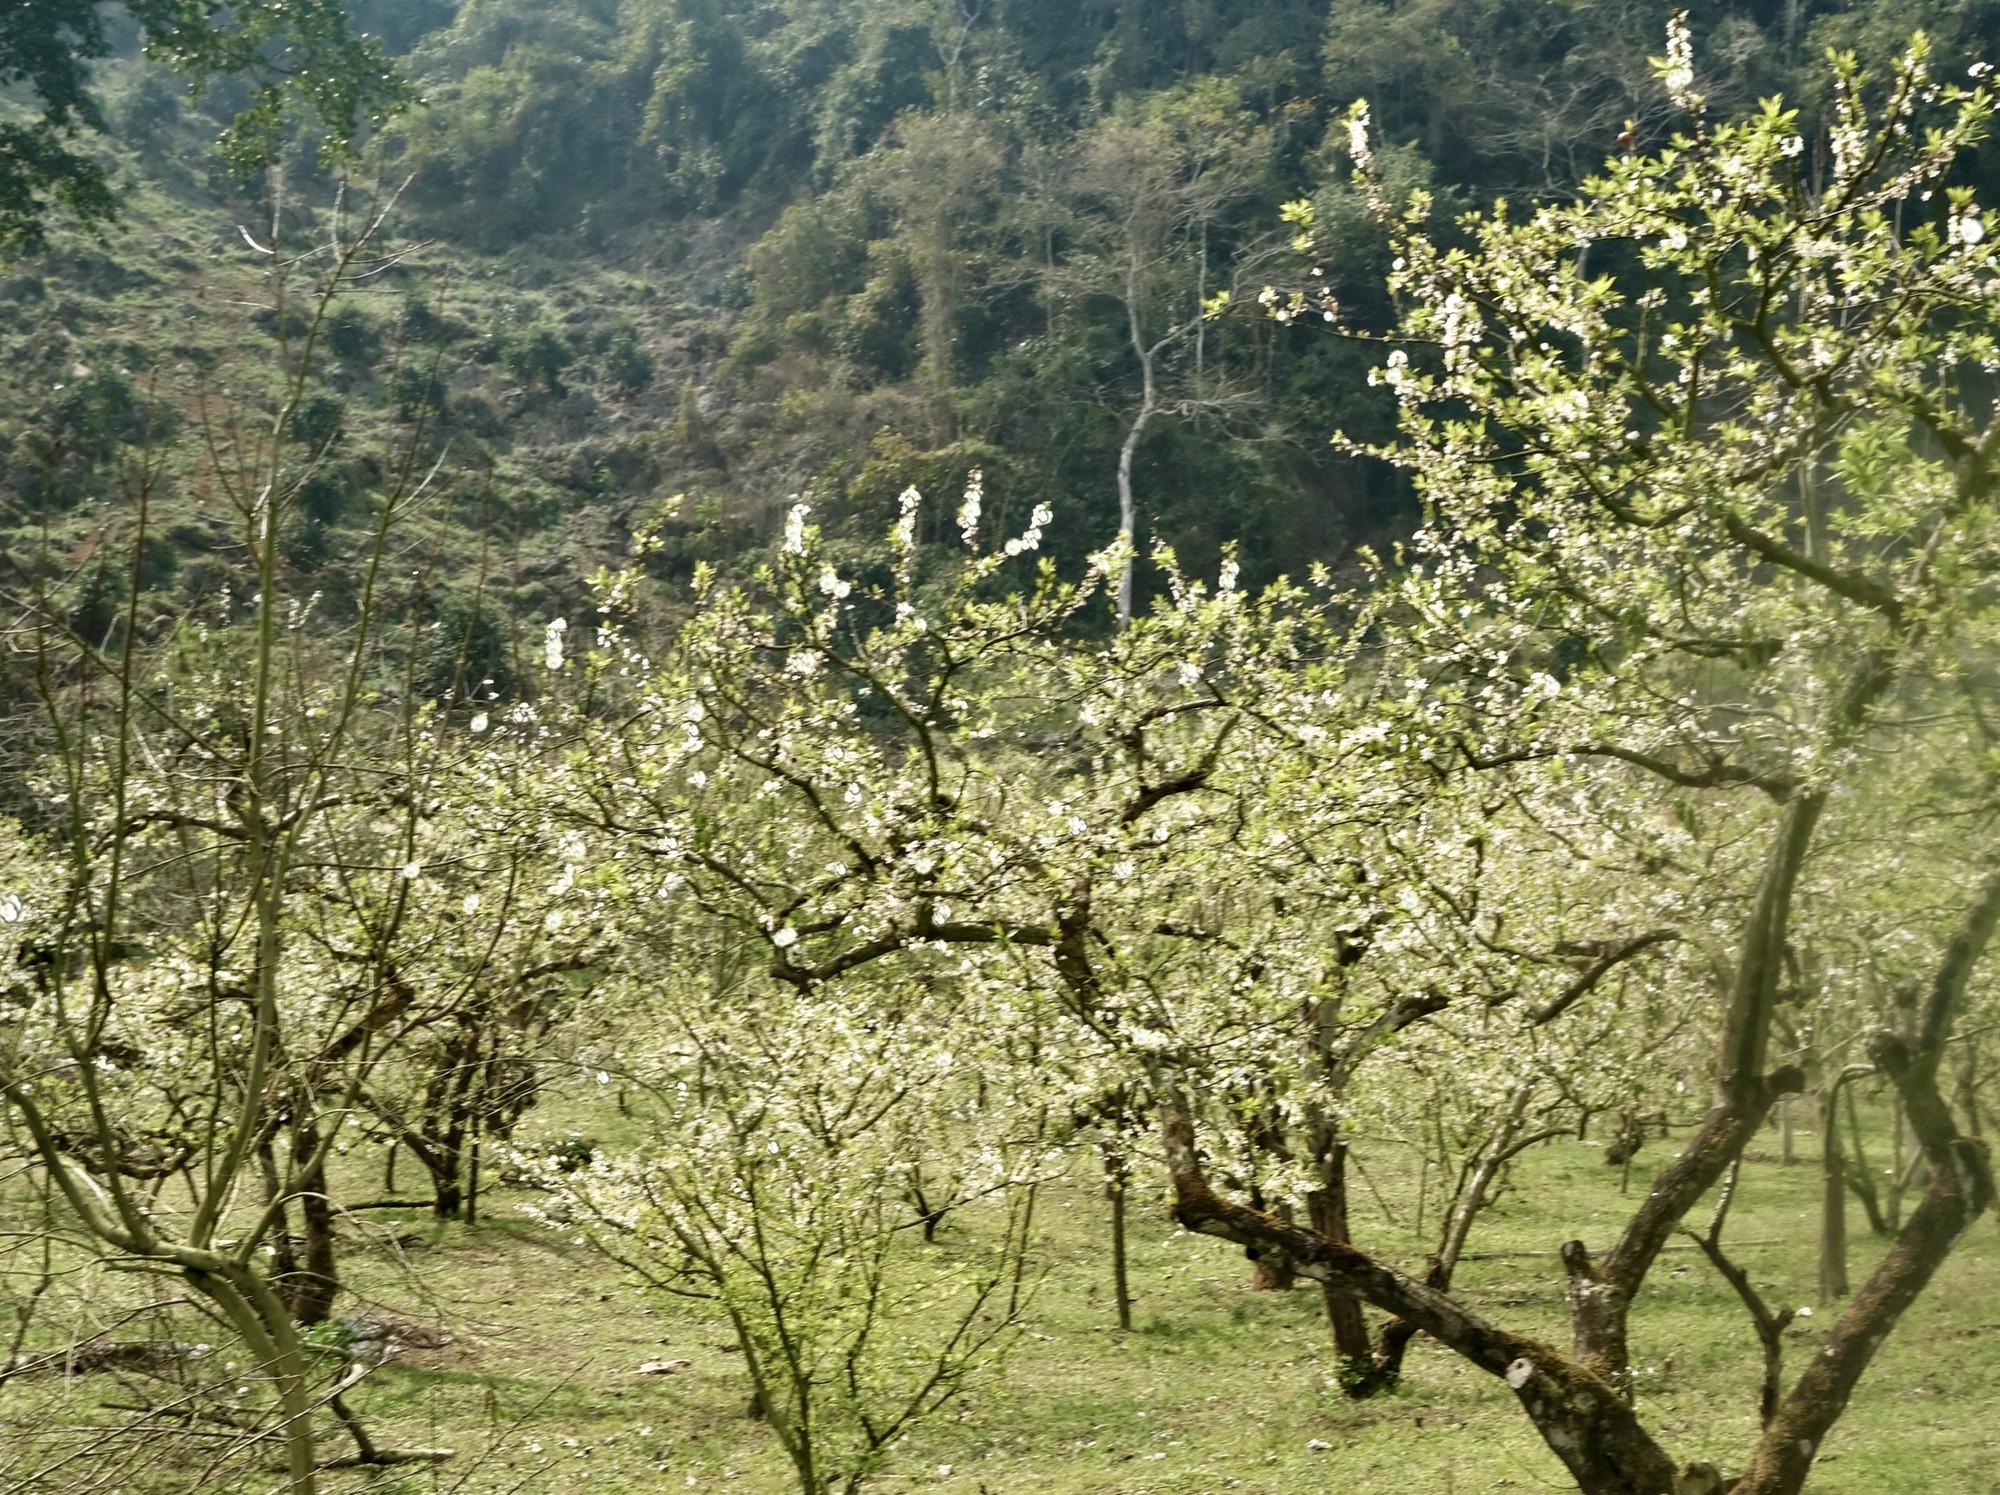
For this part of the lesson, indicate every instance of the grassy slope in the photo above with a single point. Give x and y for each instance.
(1218, 1388)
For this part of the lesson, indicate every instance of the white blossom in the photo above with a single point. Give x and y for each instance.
(795, 529)
(1678, 75)
(968, 511)
(1357, 137)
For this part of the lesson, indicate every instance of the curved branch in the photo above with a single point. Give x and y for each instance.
(1610, 957)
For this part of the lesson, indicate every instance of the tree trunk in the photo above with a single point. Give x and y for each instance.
(262, 1321)
(439, 1137)
(1579, 1415)
(440, 1161)
(447, 1193)
(1328, 1205)
(1271, 1271)
(1793, 1438)
(1149, 404)
(284, 1246)
(1832, 1201)
(1626, 1141)
(310, 1293)
(472, 1177)
(1117, 1174)
(1128, 504)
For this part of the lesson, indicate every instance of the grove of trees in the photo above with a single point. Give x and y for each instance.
(874, 889)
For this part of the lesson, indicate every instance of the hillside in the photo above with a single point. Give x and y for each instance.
(662, 249)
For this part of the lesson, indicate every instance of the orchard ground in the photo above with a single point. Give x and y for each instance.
(1218, 1388)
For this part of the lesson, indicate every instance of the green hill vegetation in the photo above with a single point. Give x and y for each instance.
(740, 252)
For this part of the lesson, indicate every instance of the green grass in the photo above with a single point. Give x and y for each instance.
(1217, 1388)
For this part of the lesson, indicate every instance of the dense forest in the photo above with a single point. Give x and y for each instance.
(730, 253)
(1111, 746)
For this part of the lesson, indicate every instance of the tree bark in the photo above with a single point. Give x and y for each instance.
(1601, 1295)
(1128, 503)
(472, 1177)
(1838, 1174)
(1784, 1457)
(1959, 1189)
(1832, 1201)
(310, 1293)
(1579, 1415)
(1328, 1207)
(284, 1249)
(1117, 1174)
(1271, 1271)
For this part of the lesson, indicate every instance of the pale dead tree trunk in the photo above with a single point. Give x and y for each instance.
(1164, 185)
(1152, 404)
(1149, 406)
